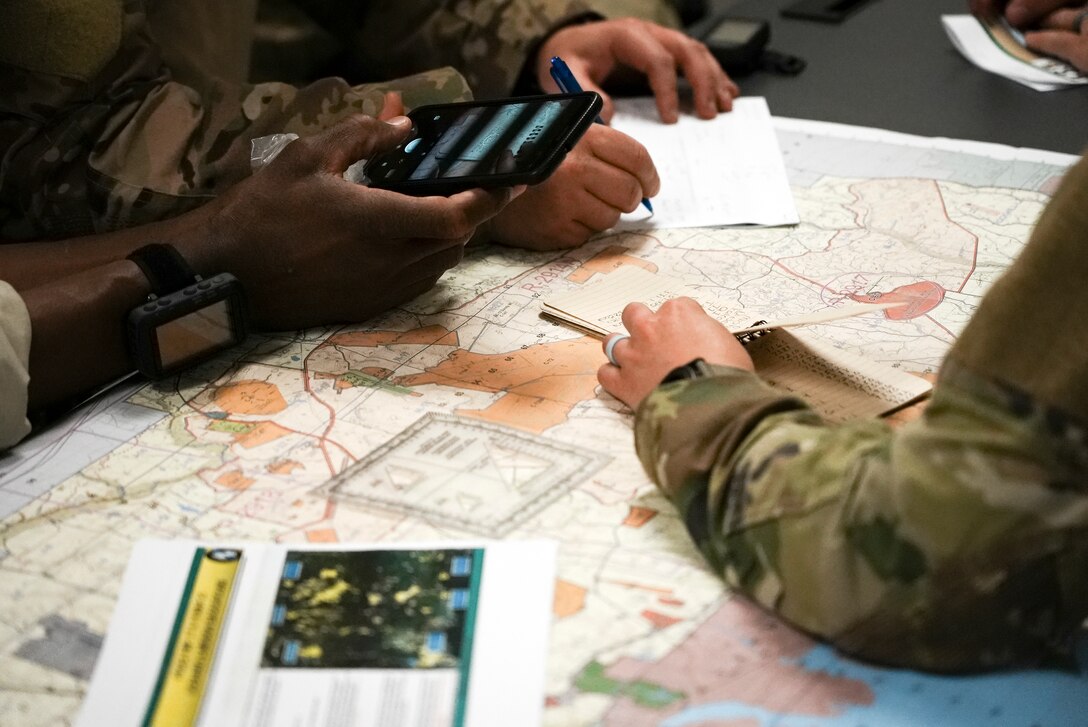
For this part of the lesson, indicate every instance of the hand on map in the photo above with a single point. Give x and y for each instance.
(678, 333)
(312, 248)
(1058, 27)
(598, 52)
(605, 174)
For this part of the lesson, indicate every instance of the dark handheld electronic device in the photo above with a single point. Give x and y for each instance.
(186, 319)
(736, 43)
(486, 144)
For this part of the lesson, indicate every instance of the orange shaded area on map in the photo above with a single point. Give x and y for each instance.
(284, 466)
(322, 535)
(250, 397)
(569, 599)
(263, 433)
(234, 480)
(606, 261)
(919, 299)
(639, 516)
(541, 383)
(427, 335)
(659, 620)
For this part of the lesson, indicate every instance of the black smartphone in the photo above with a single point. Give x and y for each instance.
(498, 143)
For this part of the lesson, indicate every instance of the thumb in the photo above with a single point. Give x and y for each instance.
(358, 137)
(392, 105)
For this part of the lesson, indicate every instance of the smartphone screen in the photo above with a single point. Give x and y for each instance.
(513, 142)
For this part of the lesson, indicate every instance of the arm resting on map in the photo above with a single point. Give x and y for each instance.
(79, 292)
(958, 541)
(309, 247)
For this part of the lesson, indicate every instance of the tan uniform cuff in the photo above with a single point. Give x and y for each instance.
(14, 366)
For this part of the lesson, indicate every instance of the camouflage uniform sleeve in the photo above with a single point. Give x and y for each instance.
(489, 41)
(103, 135)
(957, 541)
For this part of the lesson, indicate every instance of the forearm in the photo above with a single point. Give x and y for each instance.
(954, 543)
(27, 265)
(78, 325)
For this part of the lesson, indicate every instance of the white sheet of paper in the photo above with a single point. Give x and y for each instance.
(508, 653)
(725, 171)
(972, 40)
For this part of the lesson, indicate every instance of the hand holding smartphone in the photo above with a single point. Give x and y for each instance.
(500, 143)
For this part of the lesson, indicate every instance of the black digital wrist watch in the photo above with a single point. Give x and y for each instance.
(186, 319)
(695, 369)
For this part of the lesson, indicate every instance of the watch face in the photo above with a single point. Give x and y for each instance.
(191, 335)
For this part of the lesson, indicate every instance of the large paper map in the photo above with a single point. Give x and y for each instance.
(464, 414)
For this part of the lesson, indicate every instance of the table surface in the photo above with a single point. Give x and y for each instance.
(891, 66)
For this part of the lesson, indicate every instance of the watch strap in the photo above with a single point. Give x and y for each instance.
(164, 268)
(694, 369)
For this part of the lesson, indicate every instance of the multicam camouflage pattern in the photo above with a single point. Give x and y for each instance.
(115, 113)
(957, 541)
(100, 133)
(487, 40)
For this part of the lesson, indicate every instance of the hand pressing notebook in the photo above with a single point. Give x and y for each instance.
(837, 384)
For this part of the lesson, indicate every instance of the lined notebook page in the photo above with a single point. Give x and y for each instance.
(838, 385)
(598, 307)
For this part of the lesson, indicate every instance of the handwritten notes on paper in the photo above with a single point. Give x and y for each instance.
(838, 385)
(723, 171)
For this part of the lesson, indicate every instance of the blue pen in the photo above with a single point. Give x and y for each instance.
(569, 84)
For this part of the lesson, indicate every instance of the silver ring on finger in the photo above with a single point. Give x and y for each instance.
(610, 348)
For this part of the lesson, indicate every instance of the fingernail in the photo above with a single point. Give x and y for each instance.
(399, 121)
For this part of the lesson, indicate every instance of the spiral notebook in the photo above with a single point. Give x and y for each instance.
(836, 383)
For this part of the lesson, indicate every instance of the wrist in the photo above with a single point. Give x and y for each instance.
(205, 237)
(697, 368)
(78, 333)
(188, 317)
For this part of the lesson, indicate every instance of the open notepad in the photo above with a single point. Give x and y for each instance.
(837, 384)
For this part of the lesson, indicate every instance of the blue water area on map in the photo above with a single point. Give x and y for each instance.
(901, 698)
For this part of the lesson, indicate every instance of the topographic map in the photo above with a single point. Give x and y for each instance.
(464, 414)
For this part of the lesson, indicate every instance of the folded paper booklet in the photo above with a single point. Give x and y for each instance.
(837, 384)
(444, 635)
